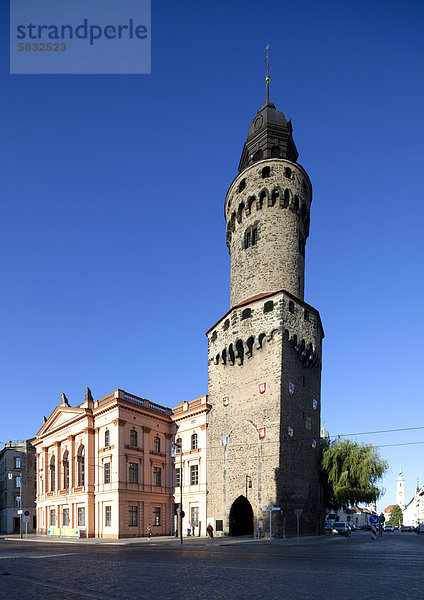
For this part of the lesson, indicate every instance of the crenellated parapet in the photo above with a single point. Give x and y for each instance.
(265, 320)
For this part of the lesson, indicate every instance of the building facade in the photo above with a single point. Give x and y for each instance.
(190, 419)
(104, 468)
(17, 487)
(264, 354)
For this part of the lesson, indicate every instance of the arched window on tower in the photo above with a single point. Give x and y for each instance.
(241, 186)
(287, 172)
(266, 172)
(291, 306)
(246, 313)
(268, 306)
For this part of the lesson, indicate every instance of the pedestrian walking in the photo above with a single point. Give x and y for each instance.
(209, 530)
(193, 529)
(149, 532)
(188, 528)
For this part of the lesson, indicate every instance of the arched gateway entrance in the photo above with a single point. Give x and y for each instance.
(241, 517)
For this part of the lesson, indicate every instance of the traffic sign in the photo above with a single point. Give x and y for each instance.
(26, 519)
(373, 519)
(182, 514)
(20, 512)
(27, 513)
(297, 512)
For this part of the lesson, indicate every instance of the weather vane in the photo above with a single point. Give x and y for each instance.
(268, 64)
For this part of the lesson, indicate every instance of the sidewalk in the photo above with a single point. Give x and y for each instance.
(168, 540)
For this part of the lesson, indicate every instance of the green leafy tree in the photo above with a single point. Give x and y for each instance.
(350, 472)
(396, 516)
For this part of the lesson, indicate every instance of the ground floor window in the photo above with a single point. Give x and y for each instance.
(108, 516)
(65, 518)
(81, 516)
(52, 517)
(156, 516)
(132, 516)
(194, 520)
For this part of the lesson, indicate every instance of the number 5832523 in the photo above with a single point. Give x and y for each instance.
(42, 47)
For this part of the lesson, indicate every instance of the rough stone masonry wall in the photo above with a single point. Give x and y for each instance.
(277, 203)
(248, 410)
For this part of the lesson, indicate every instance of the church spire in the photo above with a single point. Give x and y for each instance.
(267, 79)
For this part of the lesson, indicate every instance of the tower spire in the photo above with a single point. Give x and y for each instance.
(268, 74)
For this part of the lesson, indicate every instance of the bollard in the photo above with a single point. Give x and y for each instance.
(373, 531)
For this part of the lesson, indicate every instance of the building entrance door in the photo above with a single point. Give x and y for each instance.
(241, 517)
(16, 527)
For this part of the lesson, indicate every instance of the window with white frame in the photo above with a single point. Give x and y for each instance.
(65, 517)
(194, 474)
(81, 516)
(108, 516)
(106, 472)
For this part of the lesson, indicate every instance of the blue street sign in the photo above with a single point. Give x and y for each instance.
(373, 519)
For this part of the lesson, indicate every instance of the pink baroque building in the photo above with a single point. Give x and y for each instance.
(104, 468)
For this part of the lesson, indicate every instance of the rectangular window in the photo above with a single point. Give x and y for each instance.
(194, 474)
(133, 470)
(81, 516)
(17, 481)
(178, 477)
(17, 501)
(133, 438)
(156, 516)
(194, 516)
(52, 517)
(17, 462)
(132, 516)
(157, 476)
(106, 472)
(108, 516)
(65, 515)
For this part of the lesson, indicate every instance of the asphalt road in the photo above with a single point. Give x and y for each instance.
(329, 568)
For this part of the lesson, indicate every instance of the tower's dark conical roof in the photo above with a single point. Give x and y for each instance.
(270, 136)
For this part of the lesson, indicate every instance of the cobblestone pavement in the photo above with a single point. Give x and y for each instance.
(329, 568)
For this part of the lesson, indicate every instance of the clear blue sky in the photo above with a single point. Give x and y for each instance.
(114, 261)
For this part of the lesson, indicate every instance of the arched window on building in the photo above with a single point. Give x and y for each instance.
(178, 445)
(194, 441)
(107, 438)
(65, 465)
(52, 474)
(156, 443)
(81, 466)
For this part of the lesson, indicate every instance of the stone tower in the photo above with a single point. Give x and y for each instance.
(264, 354)
(400, 490)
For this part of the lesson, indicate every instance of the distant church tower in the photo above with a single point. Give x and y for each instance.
(264, 354)
(400, 490)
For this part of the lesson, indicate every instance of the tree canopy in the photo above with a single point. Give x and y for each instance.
(350, 472)
(396, 516)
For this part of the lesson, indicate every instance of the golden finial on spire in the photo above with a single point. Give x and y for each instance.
(268, 72)
(268, 64)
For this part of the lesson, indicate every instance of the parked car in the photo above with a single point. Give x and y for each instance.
(340, 528)
(388, 528)
(420, 528)
(327, 529)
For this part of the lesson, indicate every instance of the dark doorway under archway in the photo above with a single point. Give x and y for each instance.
(241, 517)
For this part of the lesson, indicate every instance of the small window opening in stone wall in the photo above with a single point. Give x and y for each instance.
(214, 336)
(291, 306)
(287, 172)
(306, 315)
(266, 172)
(226, 324)
(268, 306)
(231, 354)
(254, 236)
(248, 240)
(241, 186)
(246, 313)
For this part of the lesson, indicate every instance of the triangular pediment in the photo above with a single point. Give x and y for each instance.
(60, 416)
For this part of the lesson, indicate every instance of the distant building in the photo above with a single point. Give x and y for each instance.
(104, 468)
(388, 511)
(354, 516)
(17, 487)
(400, 490)
(413, 512)
(190, 420)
